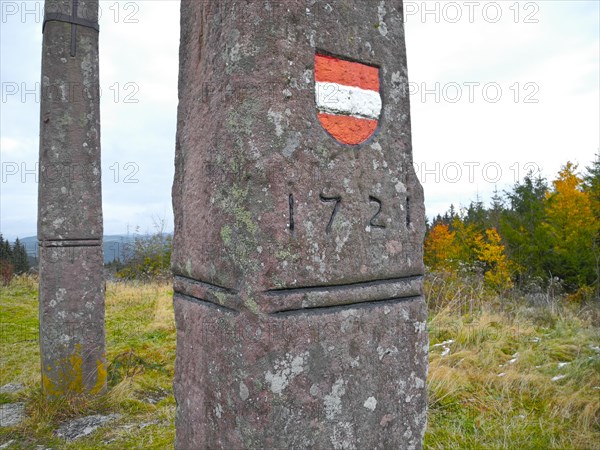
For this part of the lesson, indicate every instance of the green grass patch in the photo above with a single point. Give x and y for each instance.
(513, 376)
(140, 335)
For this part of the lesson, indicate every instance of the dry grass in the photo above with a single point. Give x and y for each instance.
(140, 355)
(491, 387)
(513, 376)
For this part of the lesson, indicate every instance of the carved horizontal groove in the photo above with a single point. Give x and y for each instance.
(338, 287)
(71, 243)
(59, 17)
(205, 284)
(202, 302)
(330, 309)
(207, 292)
(307, 297)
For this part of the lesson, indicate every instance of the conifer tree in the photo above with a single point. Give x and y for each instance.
(532, 233)
(496, 210)
(20, 259)
(6, 267)
(6, 253)
(520, 227)
(476, 215)
(592, 185)
(572, 229)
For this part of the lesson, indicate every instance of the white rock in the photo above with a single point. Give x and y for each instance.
(370, 403)
(12, 414)
(84, 426)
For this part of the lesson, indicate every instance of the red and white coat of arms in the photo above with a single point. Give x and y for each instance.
(348, 98)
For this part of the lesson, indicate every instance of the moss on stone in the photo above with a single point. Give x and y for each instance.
(226, 234)
(252, 305)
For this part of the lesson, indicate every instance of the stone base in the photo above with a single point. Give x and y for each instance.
(72, 342)
(346, 377)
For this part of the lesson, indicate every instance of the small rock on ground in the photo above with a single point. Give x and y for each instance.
(154, 397)
(140, 426)
(84, 426)
(12, 414)
(11, 388)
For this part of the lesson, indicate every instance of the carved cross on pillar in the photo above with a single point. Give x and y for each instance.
(74, 20)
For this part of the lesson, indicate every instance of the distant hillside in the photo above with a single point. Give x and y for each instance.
(114, 245)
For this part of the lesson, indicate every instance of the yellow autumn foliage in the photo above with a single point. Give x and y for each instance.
(491, 252)
(441, 249)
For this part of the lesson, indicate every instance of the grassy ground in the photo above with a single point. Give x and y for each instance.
(514, 376)
(502, 374)
(140, 351)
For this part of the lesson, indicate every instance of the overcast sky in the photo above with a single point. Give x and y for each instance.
(498, 89)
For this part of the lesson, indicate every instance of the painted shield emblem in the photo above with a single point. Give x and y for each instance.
(348, 98)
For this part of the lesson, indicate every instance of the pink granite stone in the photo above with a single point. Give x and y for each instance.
(297, 258)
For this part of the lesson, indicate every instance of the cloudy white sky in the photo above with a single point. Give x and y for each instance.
(498, 89)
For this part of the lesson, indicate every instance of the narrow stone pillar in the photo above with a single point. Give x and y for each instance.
(71, 294)
(299, 227)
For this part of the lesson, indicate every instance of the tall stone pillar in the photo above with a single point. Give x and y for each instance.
(71, 294)
(299, 226)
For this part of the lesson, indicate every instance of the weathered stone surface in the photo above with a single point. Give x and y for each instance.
(341, 378)
(11, 388)
(297, 258)
(12, 414)
(72, 338)
(70, 203)
(84, 426)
